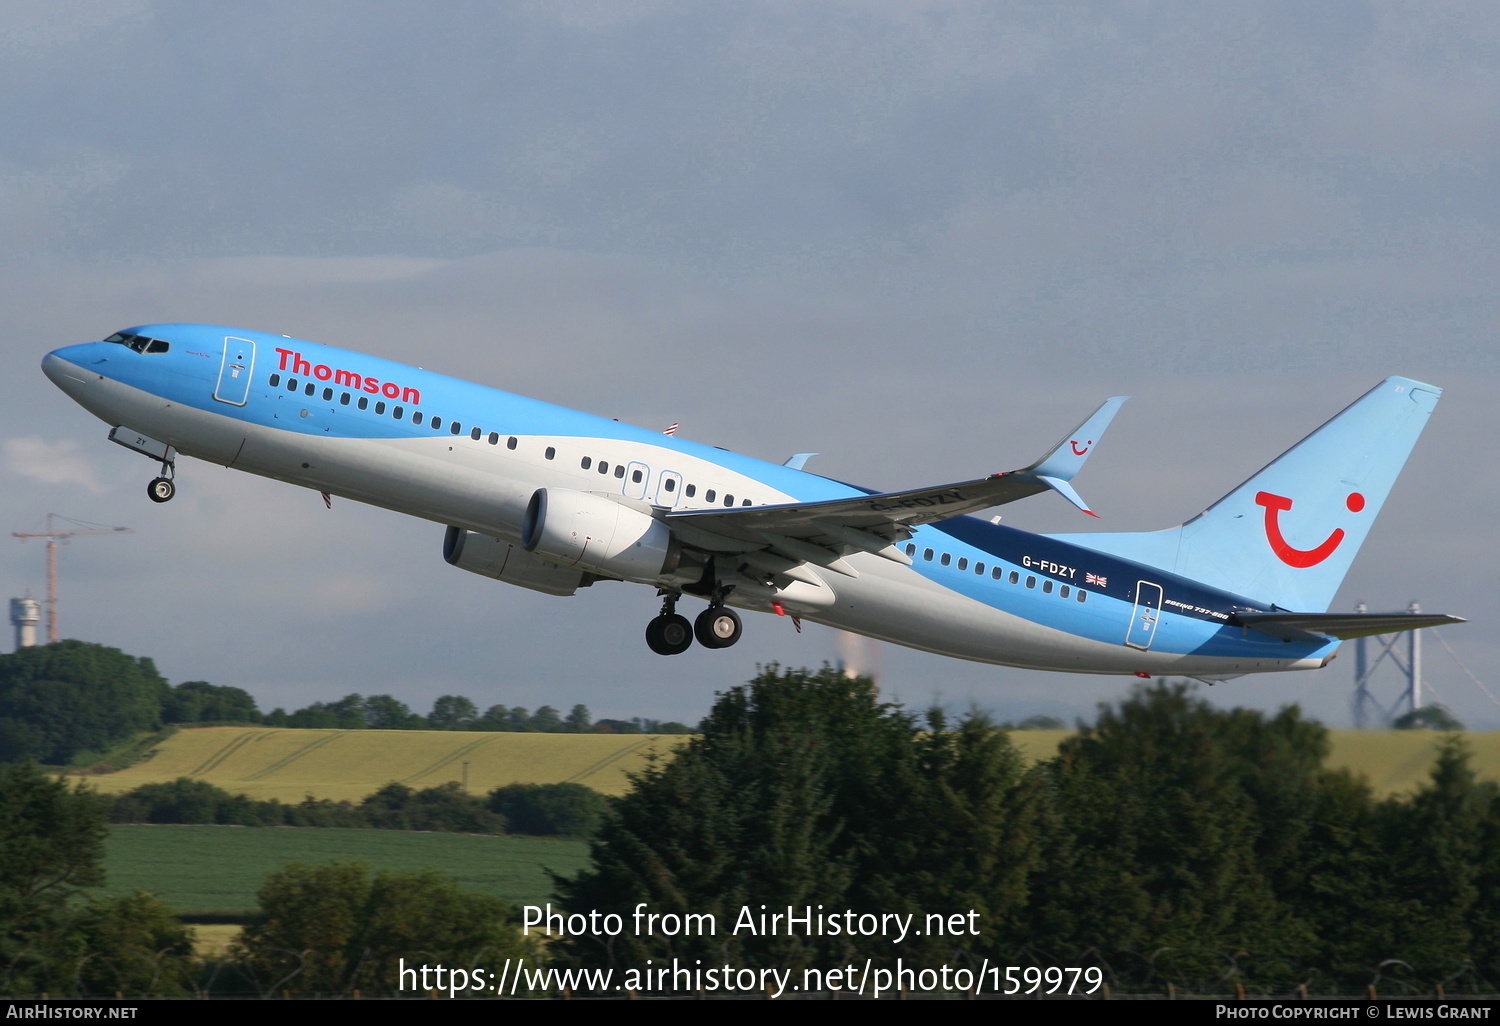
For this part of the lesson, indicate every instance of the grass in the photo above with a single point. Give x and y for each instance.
(220, 868)
(290, 764)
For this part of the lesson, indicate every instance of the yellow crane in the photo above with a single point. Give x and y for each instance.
(52, 538)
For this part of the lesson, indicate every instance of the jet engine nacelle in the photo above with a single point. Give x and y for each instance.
(491, 557)
(594, 532)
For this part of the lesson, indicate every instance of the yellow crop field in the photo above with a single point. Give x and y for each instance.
(1393, 761)
(290, 764)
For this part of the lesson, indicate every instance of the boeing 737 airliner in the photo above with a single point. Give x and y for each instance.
(554, 500)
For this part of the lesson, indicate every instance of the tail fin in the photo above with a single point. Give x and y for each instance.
(1288, 535)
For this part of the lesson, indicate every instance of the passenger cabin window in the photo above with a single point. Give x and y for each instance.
(670, 484)
(416, 418)
(436, 423)
(398, 412)
(927, 554)
(380, 407)
(327, 394)
(1081, 595)
(728, 500)
(911, 550)
(585, 463)
(946, 559)
(364, 402)
(1015, 577)
(620, 472)
(1046, 587)
(343, 398)
(291, 384)
(603, 467)
(275, 380)
(744, 502)
(1030, 581)
(963, 564)
(708, 496)
(311, 388)
(550, 453)
(690, 490)
(979, 569)
(1063, 591)
(458, 429)
(475, 433)
(510, 443)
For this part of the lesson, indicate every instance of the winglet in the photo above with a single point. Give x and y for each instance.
(799, 461)
(1057, 468)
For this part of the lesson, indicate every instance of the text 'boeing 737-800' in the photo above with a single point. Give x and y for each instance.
(555, 500)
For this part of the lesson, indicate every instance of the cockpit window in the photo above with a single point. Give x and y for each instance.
(140, 343)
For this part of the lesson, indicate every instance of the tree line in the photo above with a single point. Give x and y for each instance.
(71, 701)
(565, 809)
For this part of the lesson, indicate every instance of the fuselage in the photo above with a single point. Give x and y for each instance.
(472, 457)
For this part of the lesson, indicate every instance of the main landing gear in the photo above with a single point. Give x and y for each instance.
(671, 633)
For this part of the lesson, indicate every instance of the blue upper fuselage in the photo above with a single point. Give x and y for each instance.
(365, 397)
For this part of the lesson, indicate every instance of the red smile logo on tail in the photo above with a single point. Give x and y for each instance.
(1301, 558)
(1080, 452)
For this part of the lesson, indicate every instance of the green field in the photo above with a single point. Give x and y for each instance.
(220, 868)
(290, 764)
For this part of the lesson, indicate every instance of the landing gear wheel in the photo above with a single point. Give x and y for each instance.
(718, 627)
(669, 634)
(161, 489)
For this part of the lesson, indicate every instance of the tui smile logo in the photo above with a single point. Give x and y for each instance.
(1080, 452)
(1301, 558)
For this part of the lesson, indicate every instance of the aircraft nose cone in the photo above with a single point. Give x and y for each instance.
(56, 368)
(64, 368)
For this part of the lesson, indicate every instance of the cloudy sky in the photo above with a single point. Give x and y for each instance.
(921, 239)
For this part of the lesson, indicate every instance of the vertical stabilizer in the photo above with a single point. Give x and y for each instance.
(1288, 535)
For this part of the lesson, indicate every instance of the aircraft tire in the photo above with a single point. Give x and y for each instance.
(669, 634)
(161, 489)
(718, 627)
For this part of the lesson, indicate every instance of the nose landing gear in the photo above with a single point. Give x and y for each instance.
(161, 489)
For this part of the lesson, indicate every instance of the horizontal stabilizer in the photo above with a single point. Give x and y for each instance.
(1305, 626)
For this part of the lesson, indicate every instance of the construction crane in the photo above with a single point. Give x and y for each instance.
(52, 538)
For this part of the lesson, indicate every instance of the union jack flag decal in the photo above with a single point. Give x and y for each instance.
(1096, 580)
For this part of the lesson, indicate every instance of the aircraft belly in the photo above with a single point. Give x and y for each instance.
(892, 603)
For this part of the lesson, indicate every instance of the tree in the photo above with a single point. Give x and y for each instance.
(51, 845)
(130, 944)
(334, 929)
(60, 699)
(579, 721)
(196, 701)
(546, 720)
(52, 835)
(567, 808)
(453, 712)
(1428, 717)
(805, 790)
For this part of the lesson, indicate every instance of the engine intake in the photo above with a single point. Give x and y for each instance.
(594, 532)
(491, 557)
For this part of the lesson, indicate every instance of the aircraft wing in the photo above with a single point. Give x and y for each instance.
(824, 532)
(1305, 626)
